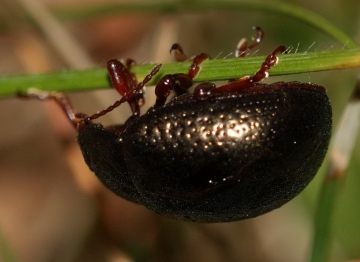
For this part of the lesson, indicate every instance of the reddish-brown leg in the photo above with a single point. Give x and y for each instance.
(178, 82)
(242, 46)
(123, 81)
(178, 52)
(131, 96)
(197, 60)
(195, 66)
(204, 90)
(60, 98)
(79, 120)
(129, 63)
(244, 82)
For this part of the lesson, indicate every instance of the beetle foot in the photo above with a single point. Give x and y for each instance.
(60, 98)
(243, 47)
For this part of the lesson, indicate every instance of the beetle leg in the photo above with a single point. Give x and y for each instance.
(60, 98)
(241, 50)
(180, 56)
(120, 76)
(243, 47)
(123, 81)
(249, 81)
(195, 66)
(269, 62)
(128, 64)
(129, 96)
(177, 82)
(204, 90)
(79, 120)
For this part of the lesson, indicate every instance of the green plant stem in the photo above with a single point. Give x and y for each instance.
(7, 253)
(322, 239)
(212, 70)
(277, 7)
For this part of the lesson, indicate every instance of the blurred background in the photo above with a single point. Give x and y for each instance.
(52, 208)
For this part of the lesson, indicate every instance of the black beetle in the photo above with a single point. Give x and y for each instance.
(216, 155)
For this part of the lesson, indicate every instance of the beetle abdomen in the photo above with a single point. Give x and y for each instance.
(231, 156)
